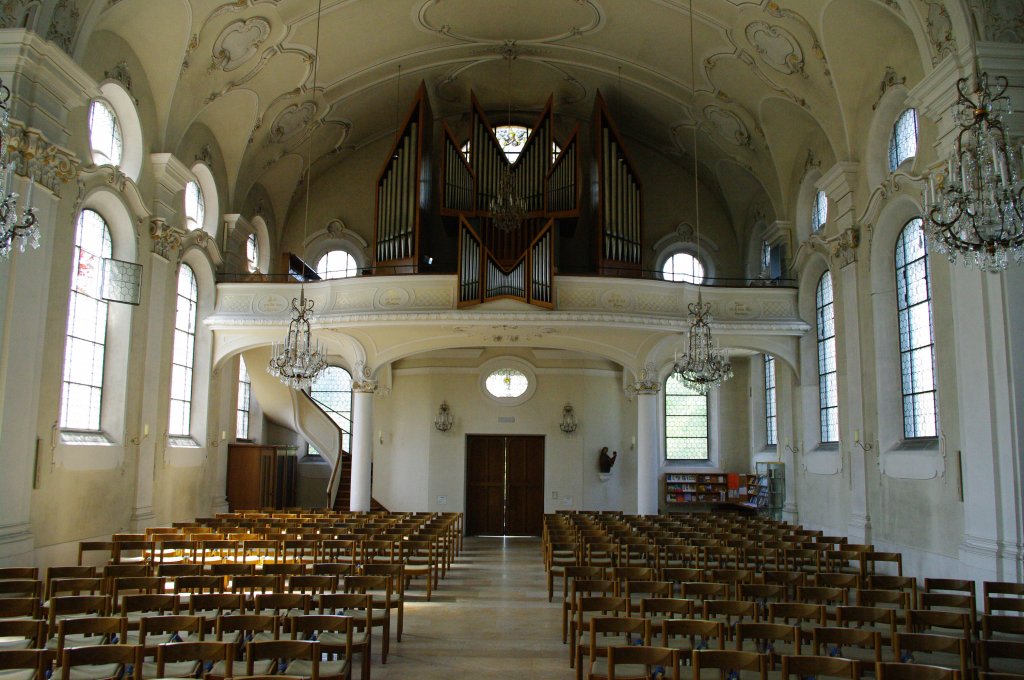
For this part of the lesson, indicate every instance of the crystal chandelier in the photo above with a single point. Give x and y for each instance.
(973, 213)
(25, 231)
(508, 209)
(703, 365)
(444, 419)
(298, 361)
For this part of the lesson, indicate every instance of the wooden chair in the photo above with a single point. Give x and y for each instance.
(1000, 657)
(807, 666)
(658, 609)
(879, 619)
(771, 639)
(136, 607)
(334, 634)
(623, 662)
(273, 654)
(635, 591)
(730, 613)
(211, 606)
(606, 632)
(396, 572)
(104, 548)
(702, 591)
(957, 624)
(729, 664)
(22, 664)
(558, 556)
(19, 608)
(1003, 596)
(850, 643)
(585, 608)
(159, 630)
(421, 562)
(101, 661)
(933, 650)
(22, 633)
(687, 635)
(806, 617)
(790, 580)
(179, 655)
(28, 587)
(360, 609)
(380, 589)
(913, 671)
(86, 631)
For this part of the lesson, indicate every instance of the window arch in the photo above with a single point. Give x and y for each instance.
(903, 140)
(122, 106)
(686, 422)
(85, 345)
(819, 211)
(105, 136)
(183, 354)
(332, 391)
(683, 266)
(336, 264)
(828, 388)
(195, 206)
(770, 413)
(242, 403)
(917, 341)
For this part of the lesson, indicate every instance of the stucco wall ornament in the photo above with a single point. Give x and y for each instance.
(121, 74)
(165, 237)
(64, 24)
(647, 382)
(842, 248)
(777, 47)
(999, 20)
(364, 382)
(12, 13)
(33, 156)
(728, 125)
(890, 79)
(239, 42)
(292, 121)
(940, 29)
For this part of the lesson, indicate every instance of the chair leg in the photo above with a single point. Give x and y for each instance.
(401, 620)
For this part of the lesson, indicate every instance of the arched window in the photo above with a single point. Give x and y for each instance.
(770, 416)
(195, 206)
(336, 264)
(917, 343)
(183, 354)
(332, 391)
(84, 349)
(512, 139)
(819, 211)
(683, 267)
(828, 388)
(686, 421)
(252, 253)
(104, 134)
(242, 408)
(903, 141)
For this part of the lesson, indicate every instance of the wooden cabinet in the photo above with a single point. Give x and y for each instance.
(733, 488)
(260, 476)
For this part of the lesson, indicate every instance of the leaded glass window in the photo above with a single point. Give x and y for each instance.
(336, 264)
(85, 344)
(512, 138)
(507, 383)
(770, 423)
(828, 388)
(242, 408)
(686, 421)
(819, 211)
(917, 342)
(252, 253)
(195, 206)
(104, 134)
(183, 354)
(903, 142)
(683, 267)
(332, 391)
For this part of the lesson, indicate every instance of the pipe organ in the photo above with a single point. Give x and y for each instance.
(519, 263)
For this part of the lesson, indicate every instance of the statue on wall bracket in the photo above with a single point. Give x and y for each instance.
(605, 462)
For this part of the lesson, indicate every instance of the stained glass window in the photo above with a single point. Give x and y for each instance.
(336, 264)
(195, 207)
(819, 211)
(85, 345)
(104, 134)
(770, 424)
(332, 391)
(512, 138)
(683, 267)
(828, 388)
(183, 354)
(686, 421)
(903, 142)
(507, 383)
(252, 253)
(244, 394)
(917, 343)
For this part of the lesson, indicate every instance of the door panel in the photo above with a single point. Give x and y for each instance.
(504, 485)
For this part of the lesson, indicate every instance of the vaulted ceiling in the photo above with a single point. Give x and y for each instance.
(774, 80)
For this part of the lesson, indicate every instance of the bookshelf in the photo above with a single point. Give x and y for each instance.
(732, 488)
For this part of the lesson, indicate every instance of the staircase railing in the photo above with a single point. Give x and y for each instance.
(342, 437)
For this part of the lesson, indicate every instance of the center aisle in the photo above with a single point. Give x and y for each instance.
(489, 619)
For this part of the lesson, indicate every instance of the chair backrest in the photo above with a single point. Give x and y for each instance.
(807, 666)
(106, 628)
(830, 640)
(913, 671)
(904, 645)
(84, 605)
(650, 657)
(158, 604)
(730, 662)
(283, 650)
(123, 655)
(207, 652)
(23, 659)
(247, 623)
(763, 634)
(174, 623)
(697, 632)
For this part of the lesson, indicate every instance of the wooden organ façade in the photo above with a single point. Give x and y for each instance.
(583, 200)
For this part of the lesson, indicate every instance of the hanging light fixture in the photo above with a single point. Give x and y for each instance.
(23, 230)
(973, 213)
(703, 365)
(508, 209)
(299, 360)
(569, 423)
(444, 419)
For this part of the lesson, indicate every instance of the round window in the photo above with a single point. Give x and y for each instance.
(507, 383)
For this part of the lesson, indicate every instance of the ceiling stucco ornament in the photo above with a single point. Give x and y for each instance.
(239, 42)
(775, 10)
(940, 29)
(32, 155)
(292, 121)
(777, 47)
(64, 24)
(462, 20)
(728, 125)
(12, 12)
(889, 80)
(999, 20)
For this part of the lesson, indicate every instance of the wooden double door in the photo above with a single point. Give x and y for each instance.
(504, 485)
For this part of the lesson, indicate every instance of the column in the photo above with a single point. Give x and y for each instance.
(646, 390)
(362, 444)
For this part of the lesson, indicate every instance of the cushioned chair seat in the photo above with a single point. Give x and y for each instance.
(330, 638)
(15, 642)
(18, 674)
(261, 667)
(92, 672)
(622, 671)
(76, 640)
(305, 668)
(175, 669)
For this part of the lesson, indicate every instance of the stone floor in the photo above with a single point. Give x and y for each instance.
(489, 619)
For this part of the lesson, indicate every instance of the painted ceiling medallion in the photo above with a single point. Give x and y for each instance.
(777, 47)
(239, 42)
(728, 125)
(294, 120)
